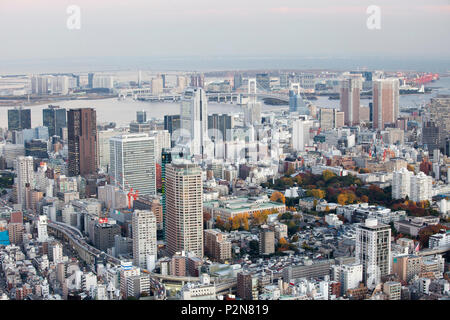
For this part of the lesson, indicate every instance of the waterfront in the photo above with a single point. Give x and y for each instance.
(124, 111)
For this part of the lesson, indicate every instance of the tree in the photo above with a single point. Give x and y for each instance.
(316, 193)
(342, 199)
(298, 179)
(410, 167)
(282, 242)
(364, 199)
(278, 197)
(327, 175)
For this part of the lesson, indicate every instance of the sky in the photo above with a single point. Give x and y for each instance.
(37, 29)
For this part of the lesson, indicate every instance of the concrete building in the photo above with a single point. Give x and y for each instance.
(300, 134)
(350, 98)
(385, 102)
(144, 239)
(401, 183)
(132, 162)
(421, 187)
(23, 166)
(373, 251)
(184, 208)
(266, 241)
(217, 246)
(194, 120)
(82, 141)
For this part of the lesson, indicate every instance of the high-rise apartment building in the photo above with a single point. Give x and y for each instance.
(350, 98)
(385, 95)
(23, 167)
(19, 119)
(132, 162)
(266, 241)
(217, 246)
(401, 183)
(184, 208)
(144, 239)
(198, 80)
(82, 141)
(421, 187)
(373, 251)
(330, 118)
(194, 120)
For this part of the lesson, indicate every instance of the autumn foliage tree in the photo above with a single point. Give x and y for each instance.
(327, 175)
(316, 193)
(278, 197)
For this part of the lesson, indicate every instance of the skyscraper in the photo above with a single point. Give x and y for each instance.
(141, 116)
(296, 103)
(300, 134)
(329, 118)
(184, 208)
(373, 251)
(19, 119)
(263, 81)
(23, 166)
(82, 137)
(166, 158)
(350, 98)
(198, 80)
(144, 239)
(132, 162)
(54, 118)
(194, 120)
(172, 124)
(252, 113)
(385, 102)
(218, 126)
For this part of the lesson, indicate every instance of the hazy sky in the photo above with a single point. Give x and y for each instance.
(36, 29)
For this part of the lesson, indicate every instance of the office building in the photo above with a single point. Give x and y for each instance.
(54, 118)
(297, 104)
(132, 162)
(104, 234)
(373, 251)
(247, 286)
(385, 102)
(184, 208)
(36, 148)
(300, 134)
(263, 81)
(82, 141)
(141, 116)
(144, 239)
(252, 113)
(219, 125)
(103, 149)
(172, 124)
(19, 119)
(194, 120)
